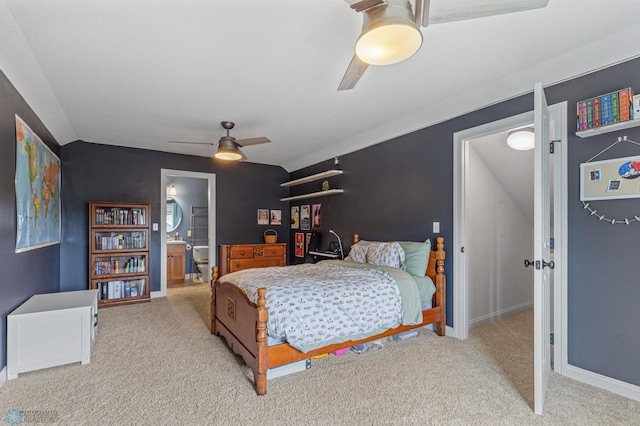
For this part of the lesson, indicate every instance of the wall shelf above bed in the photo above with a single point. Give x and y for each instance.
(312, 178)
(313, 194)
(318, 176)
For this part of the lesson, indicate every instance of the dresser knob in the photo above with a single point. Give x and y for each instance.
(242, 252)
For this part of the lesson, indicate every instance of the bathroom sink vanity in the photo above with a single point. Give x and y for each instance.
(176, 255)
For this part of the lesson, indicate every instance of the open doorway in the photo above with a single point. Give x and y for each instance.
(166, 237)
(462, 316)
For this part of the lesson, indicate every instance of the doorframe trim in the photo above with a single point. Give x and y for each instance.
(461, 140)
(211, 179)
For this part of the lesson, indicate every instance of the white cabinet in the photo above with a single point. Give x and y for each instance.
(51, 329)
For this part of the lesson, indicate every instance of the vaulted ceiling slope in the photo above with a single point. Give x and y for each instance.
(141, 73)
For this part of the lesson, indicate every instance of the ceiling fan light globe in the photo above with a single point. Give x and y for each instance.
(389, 34)
(521, 139)
(388, 44)
(228, 150)
(228, 156)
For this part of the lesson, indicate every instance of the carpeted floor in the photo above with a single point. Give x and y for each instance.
(157, 364)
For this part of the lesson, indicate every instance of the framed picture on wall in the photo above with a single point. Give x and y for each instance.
(276, 217)
(299, 244)
(295, 217)
(263, 217)
(305, 217)
(316, 216)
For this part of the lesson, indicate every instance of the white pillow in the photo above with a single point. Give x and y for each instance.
(358, 253)
(386, 254)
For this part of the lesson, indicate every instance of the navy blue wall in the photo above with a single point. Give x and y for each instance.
(603, 288)
(95, 172)
(31, 272)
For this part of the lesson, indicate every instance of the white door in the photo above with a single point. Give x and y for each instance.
(541, 250)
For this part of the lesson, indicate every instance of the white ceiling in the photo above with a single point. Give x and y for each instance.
(142, 72)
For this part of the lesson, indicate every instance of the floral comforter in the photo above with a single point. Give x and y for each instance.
(314, 305)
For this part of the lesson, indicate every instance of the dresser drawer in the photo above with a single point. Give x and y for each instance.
(261, 262)
(242, 252)
(268, 250)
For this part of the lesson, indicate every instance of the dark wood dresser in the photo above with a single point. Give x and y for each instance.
(234, 257)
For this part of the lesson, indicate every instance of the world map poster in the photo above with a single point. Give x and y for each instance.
(37, 191)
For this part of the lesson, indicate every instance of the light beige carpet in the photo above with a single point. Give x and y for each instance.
(157, 364)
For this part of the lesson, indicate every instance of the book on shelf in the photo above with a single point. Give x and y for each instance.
(625, 97)
(615, 107)
(118, 289)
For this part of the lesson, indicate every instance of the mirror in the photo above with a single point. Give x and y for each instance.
(174, 214)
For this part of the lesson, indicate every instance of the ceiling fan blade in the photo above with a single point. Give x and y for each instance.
(458, 10)
(362, 5)
(196, 143)
(252, 141)
(354, 71)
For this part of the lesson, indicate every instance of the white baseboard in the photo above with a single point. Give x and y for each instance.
(158, 294)
(451, 332)
(503, 313)
(3, 376)
(603, 382)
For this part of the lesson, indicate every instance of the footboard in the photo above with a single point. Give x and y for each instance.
(243, 325)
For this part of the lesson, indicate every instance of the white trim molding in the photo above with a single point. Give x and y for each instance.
(603, 382)
(3, 376)
(211, 178)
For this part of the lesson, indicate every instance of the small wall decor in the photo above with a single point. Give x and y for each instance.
(305, 217)
(316, 216)
(308, 240)
(276, 217)
(263, 217)
(610, 179)
(299, 247)
(295, 217)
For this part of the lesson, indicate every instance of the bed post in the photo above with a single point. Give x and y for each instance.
(214, 279)
(262, 357)
(441, 286)
(356, 238)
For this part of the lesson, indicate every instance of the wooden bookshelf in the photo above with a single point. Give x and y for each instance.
(119, 252)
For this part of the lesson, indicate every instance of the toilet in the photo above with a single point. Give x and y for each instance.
(201, 257)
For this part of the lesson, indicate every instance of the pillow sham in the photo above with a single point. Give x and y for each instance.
(358, 253)
(416, 257)
(385, 254)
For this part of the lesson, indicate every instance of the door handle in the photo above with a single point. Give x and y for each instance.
(536, 264)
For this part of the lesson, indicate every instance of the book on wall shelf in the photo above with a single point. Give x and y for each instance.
(119, 252)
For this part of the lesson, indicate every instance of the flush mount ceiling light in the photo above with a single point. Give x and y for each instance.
(521, 139)
(389, 34)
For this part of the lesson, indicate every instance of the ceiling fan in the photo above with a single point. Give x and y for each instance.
(391, 29)
(228, 146)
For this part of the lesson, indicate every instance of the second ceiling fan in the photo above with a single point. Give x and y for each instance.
(391, 28)
(228, 146)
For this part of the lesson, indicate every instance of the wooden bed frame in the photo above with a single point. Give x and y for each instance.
(243, 324)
